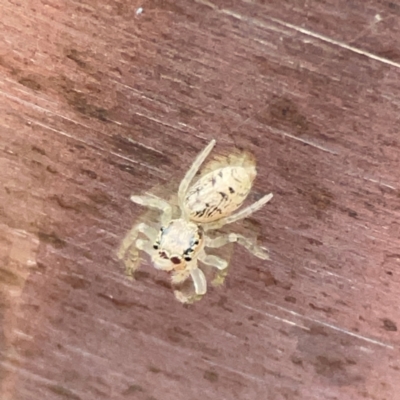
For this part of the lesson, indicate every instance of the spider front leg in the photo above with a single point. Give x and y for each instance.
(214, 261)
(184, 185)
(130, 246)
(249, 244)
(157, 203)
(239, 215)
(199, 282)
(217, 262)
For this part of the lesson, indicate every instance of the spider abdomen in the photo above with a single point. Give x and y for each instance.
(218, 193)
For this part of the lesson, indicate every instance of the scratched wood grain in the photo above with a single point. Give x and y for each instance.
(100, 99)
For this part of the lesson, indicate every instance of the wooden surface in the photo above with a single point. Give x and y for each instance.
(100, 99)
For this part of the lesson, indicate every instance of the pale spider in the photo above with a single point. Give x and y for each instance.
(207, 205)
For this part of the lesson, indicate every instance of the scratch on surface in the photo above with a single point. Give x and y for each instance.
(337, 276)
(386, 240)
(376, 181)
(321, 272)
(21, 372)
(24, 102)
(107, 235)
(34, 106)
(143, 145)
(305, 141)
(248, 376)
(207, 3)
(260, 23)
(110, 324)
(115, 122)
(22, 334)
(159, 171)
(159, 121)
(174, 349)
(345, 331)
(380, 183)
(25, 373)
(377, 20)
(365, 349)
(334, 327)
(335, 42)
(286, 321)
(84, 353)
(137, 92)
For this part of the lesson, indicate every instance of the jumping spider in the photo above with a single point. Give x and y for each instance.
(207, 205)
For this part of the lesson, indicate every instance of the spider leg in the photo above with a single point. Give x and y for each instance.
(145, 245)
(249, 244)
(157, 203)
(185, 298)
(214, 261)
(130, 246)
(199, 282)
(217, 262)
(179, 276)
(239, 215)
(184, 185)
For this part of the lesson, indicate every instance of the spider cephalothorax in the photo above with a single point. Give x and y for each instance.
(207, 205)
(177, 244)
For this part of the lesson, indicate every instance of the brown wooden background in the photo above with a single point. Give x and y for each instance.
(100, 100)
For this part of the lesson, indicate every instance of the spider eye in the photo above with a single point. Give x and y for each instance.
(175, 260)
(163, 254)
(187, 258)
